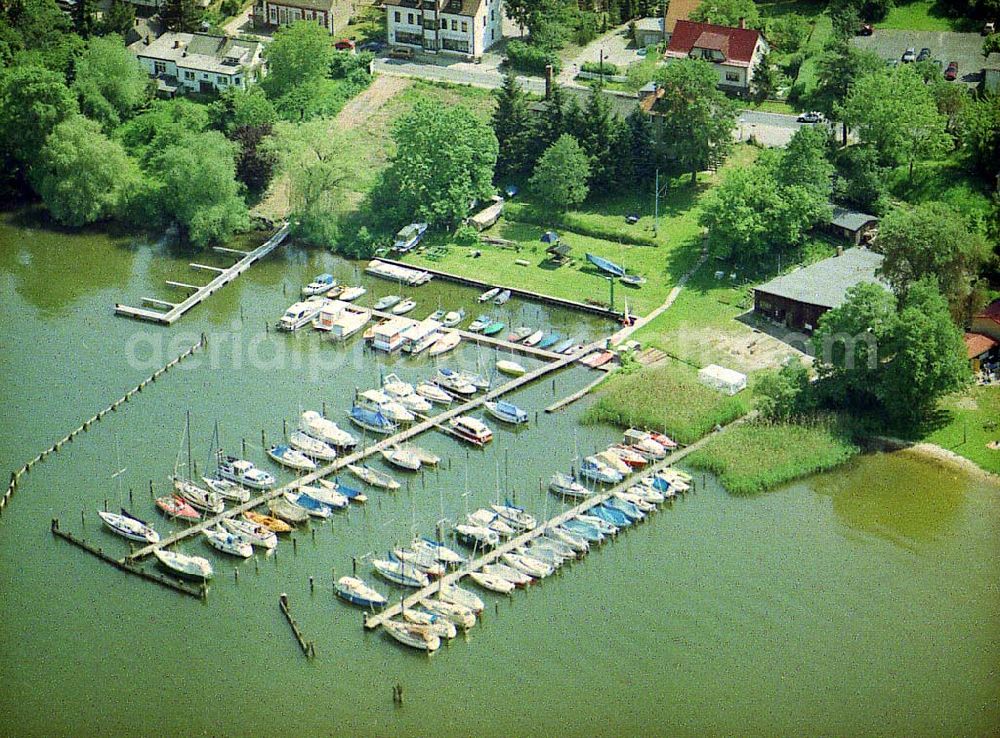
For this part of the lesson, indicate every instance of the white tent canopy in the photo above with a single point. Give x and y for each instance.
(722, 379)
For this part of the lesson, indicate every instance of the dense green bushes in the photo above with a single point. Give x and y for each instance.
(598, 68)
(531, 59)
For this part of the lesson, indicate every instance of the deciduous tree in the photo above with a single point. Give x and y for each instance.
(727, 13)
(110, 82)
(180, 15)
(33, 101)
(299, 54)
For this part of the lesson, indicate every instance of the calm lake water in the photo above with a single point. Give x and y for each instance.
(855, 603)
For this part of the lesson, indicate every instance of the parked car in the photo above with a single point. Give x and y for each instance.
(951, 73)
(345, 44)
(989, 27)
(810, 117)
(924, 54)
(375, 47)
(910, 55)
(867, 29)
(401, 52)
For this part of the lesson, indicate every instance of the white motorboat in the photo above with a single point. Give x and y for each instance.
(323, 429)
(198, 498)
(512, 575)
(637, 500)
(228, 543)
(404, 307)
(414, 636)
(492, 582)
(608, 529)
(489, 519)
(427, 564)
(471, 430)
(453, 318)
(373, 477)
(527, 564)
(502, 298)
(596, 470)
(244, 472)
(476, 379)
(576, 542)
(534, 338)
(300, 314)
(647, 494)
(479, 324)
(352, 293)
(515, 516)
(460, 615)
(402, 458)
(433, 393)
(459, 596)
(512, 368)
(189, 567)
(564, 485)
(563, 549)
(129, 527)
(400, 572)
(438, 551)
(378, 401)
(319, 286)
(227, 489)
(613, 460)
(477, 535)
(489, 294)
(404, 393)
(508, 412)
(311, 447)
(427, 458)
(453, 382)
(435, 624)
(353, 495)
(387, 302)
(356, 592)
(254, 533)
(644, 443)
(445, 343)
(293, 459)
(544, 554)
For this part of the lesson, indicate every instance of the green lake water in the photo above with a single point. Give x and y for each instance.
(860, 602)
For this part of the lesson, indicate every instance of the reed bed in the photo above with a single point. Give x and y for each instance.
(666, 398)
(755, 457)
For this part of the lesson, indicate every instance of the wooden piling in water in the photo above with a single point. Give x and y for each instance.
(308, 648)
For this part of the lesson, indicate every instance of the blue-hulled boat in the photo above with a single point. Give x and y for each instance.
(352, 494)
(563, 345)
(356, 592)
(549, 339)
(605, 266)
(626, 508)
(609, 515)
(372, 420)
(507, 412)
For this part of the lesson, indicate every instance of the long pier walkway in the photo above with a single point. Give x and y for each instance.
(414, 430)
(500, 343)
(376, 620)
(201, 293)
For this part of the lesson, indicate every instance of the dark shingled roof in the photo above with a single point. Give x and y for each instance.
(851, 219)
(826, 282)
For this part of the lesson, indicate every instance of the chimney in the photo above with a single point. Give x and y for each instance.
(840, 250)
(146, 40)
(549, 81)
(742, 22)
(177, 44)
(137, 22)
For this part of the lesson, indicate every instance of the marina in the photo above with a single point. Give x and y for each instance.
(709, 594)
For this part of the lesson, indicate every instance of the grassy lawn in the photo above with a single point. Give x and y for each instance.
(925, 15)
(806, 80)
(597, 227)
(684, 408)
(754, 457)
(967, 422)
(774, 106)
(947, 180)
(368, 24)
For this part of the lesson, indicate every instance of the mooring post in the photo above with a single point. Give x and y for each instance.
(354, 566)
(295, 546)
(312, 586)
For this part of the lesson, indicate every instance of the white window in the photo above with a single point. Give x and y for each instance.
(160, 67)
(732, 76)
(273, 11)
(223, 81)
(188, 74)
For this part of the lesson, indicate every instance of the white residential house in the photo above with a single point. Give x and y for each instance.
(199, 62)
(333, 15)
(463, 27)
(735, 51)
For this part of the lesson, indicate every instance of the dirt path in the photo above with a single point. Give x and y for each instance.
(353, 115)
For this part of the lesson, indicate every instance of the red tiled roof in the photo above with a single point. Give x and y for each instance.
(991, 312)
(688, 35)
(977, 344)
(711, 40)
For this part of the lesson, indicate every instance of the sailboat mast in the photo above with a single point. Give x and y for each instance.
(187, 427)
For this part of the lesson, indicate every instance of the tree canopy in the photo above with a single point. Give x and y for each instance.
(560, 177)
(698, 118)
(33, 101)
(444, 161)
(299, 54)
(82, 176)
(514, 130)
(932, 240)
(727, 13)
(110, 82)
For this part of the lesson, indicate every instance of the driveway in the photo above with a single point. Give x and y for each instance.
(616, 47)
(442, 69)
(947, 46)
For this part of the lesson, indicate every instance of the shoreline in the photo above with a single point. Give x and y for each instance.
(937, 454)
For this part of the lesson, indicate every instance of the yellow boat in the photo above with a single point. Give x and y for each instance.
(278, 526)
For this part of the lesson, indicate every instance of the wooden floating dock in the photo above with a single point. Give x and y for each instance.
(414, 430)
(480, 339)
(515, 291)
(375, 621)
(308, 647)
(126, 566)
(223, 277)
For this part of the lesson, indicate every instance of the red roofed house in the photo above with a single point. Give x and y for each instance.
(988, 321)
(979, 349)
(736, 52)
